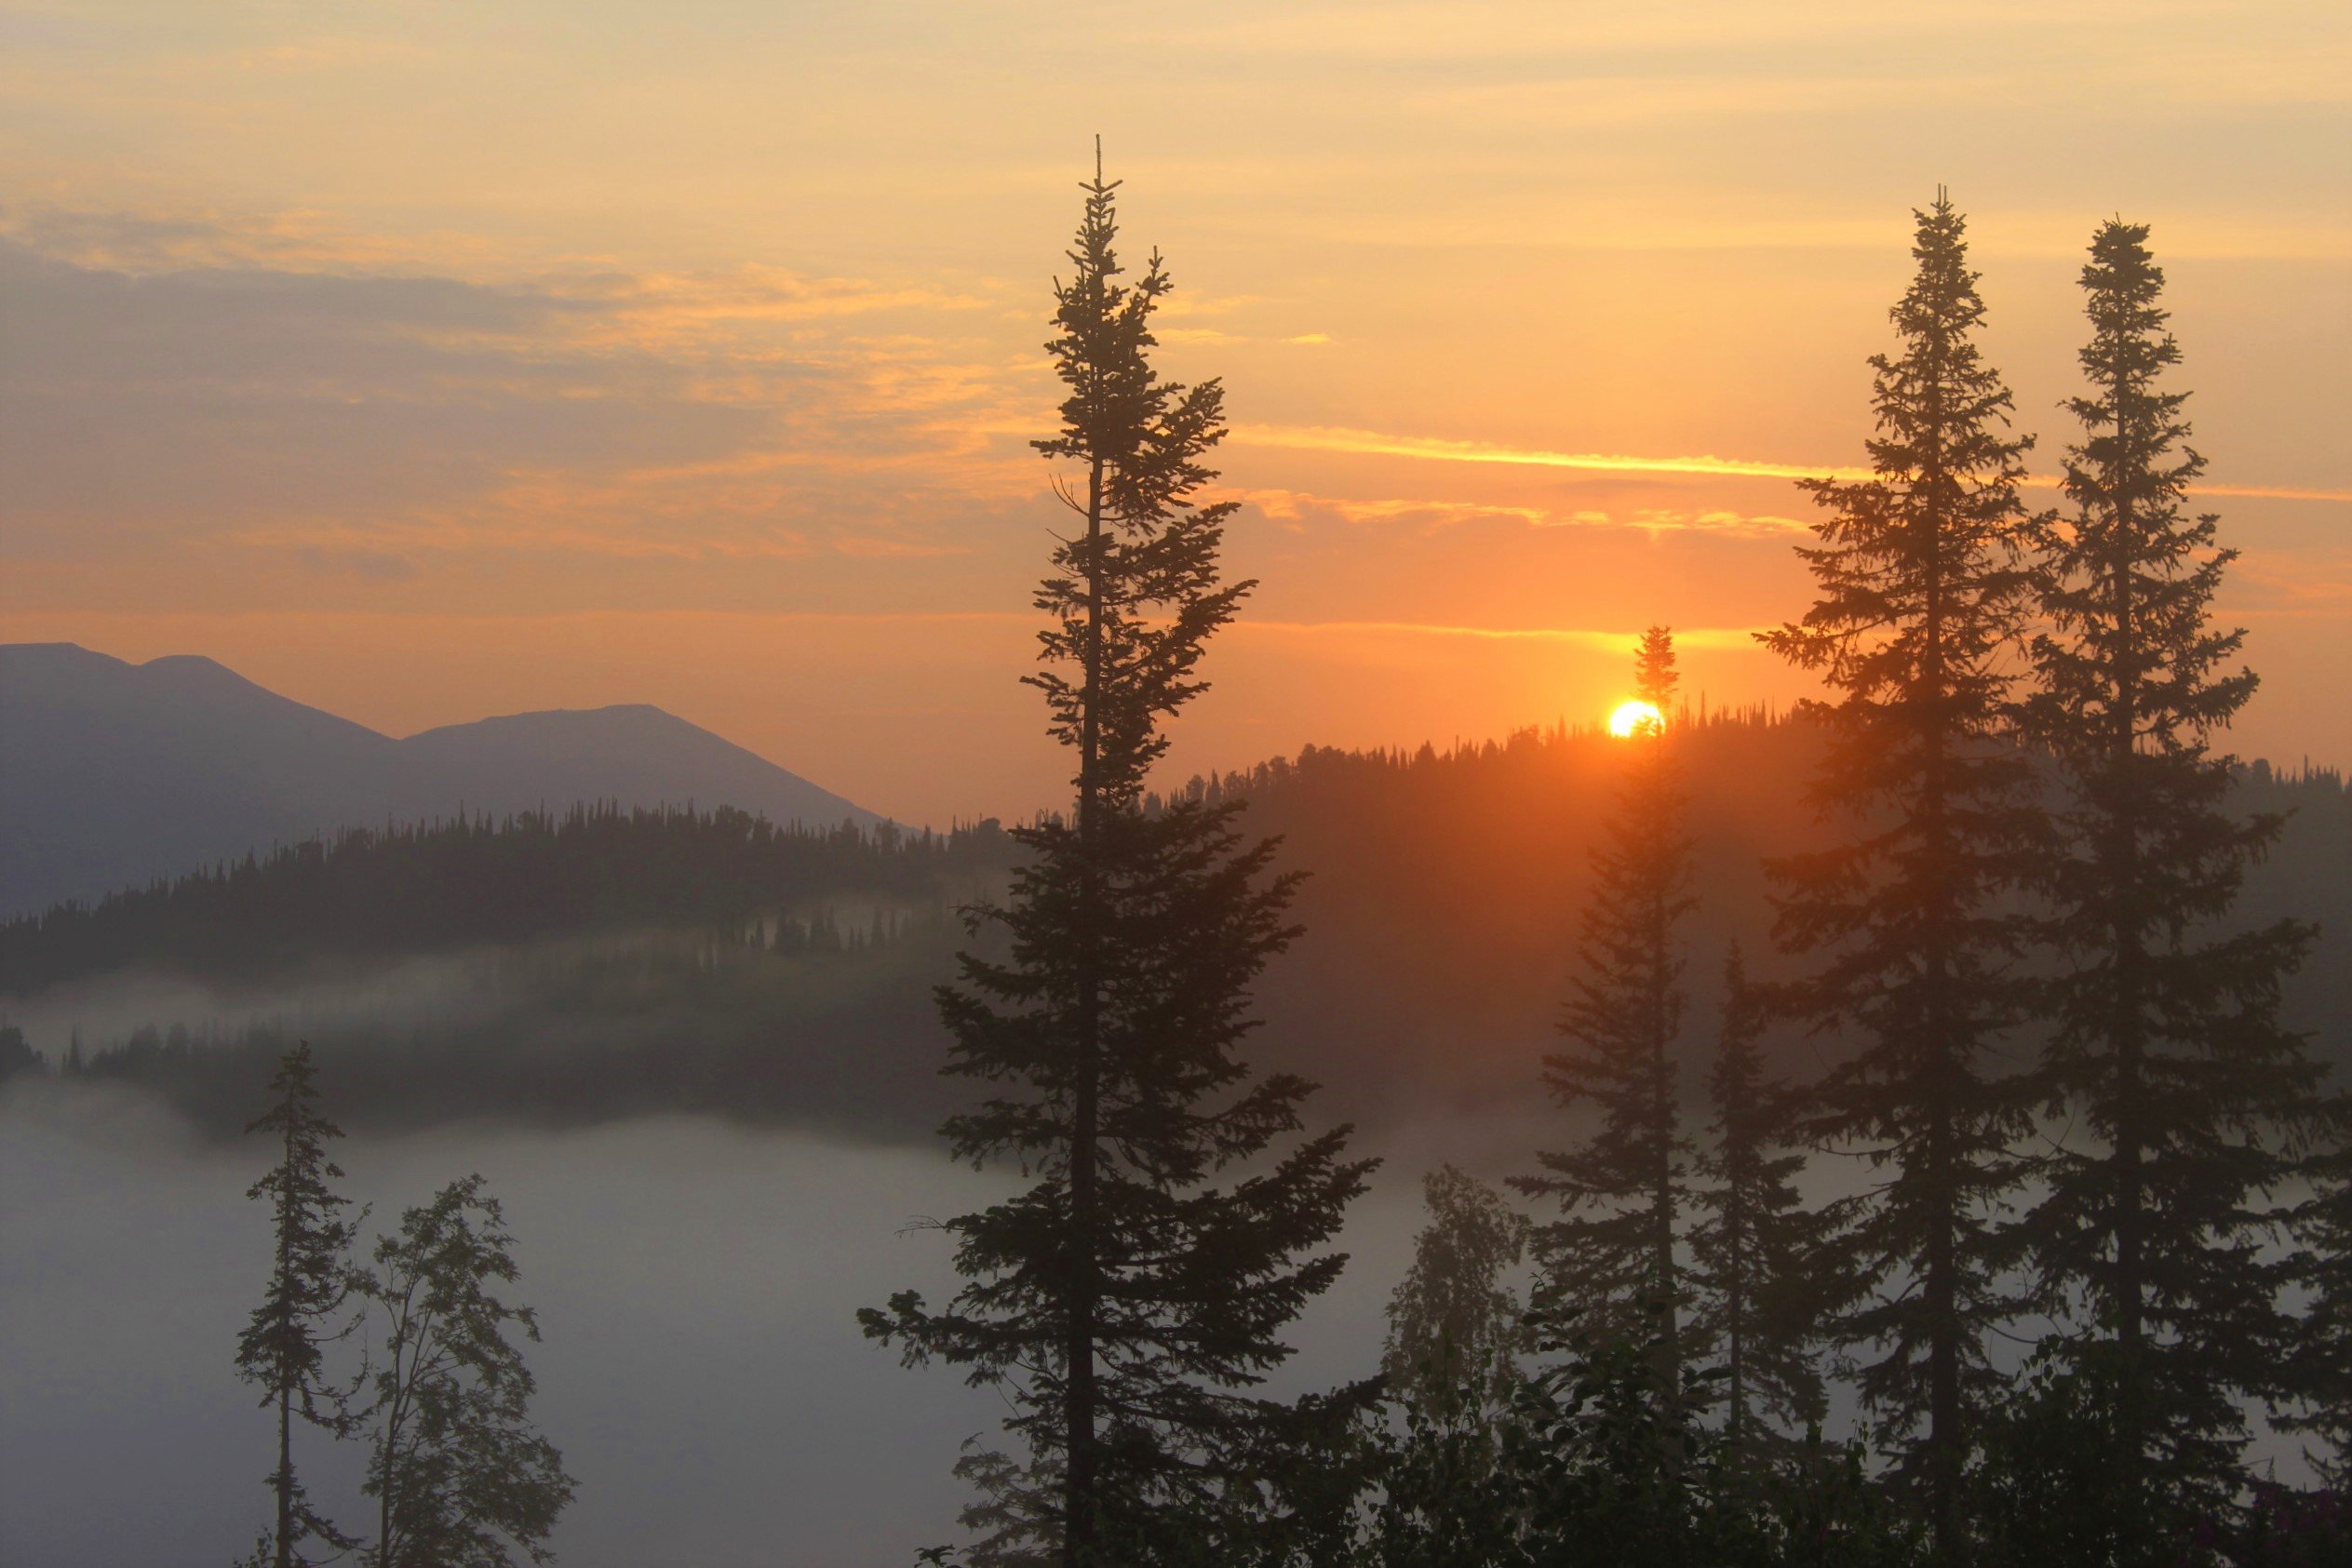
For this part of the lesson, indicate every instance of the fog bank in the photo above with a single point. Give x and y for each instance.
(697, 1284)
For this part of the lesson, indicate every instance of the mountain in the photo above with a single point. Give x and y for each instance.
(113, 774)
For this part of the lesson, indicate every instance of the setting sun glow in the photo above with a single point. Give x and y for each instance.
(1635, 717)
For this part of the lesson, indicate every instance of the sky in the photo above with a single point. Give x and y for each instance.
(427, 360)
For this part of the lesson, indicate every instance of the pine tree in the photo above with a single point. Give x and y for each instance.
(1125, 1295)
(1920, 596)
(2185, 1092)
(1611, 1256)
(1756, 1247)
(282, 1347)
(460, 1475)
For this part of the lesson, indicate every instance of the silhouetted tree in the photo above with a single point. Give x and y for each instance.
(282, 1347)
(2319, 1380)
(1920, 596)
(1612, 1254)
(1451, 1367)
(1454, 1320)
(1756, 1248)
(461, 1477)
(1598, 1466)
(17, 1054)
(1014, 1517)
(2057, 1479)
(2184, 1091)
(1123, 1294)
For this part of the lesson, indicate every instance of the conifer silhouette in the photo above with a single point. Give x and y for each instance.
(1921, 596)
(1610, 1256)
(1756, 1246)
(2185, 1092)
(2319, 1380)
(1124, 1295)
(282, 1347)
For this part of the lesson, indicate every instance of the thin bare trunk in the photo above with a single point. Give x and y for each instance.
(1080, 1500)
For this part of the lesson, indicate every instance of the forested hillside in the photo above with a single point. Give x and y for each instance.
(604, 963)
(1441, 907)
(375, 894)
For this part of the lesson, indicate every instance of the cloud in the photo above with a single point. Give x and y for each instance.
(1299, 508)
(1373, 443)
(369, 565)
(359, 422)
(1727, 637)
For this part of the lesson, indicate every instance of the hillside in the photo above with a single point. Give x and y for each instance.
(607, 963)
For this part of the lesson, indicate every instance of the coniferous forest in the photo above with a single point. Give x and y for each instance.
(1928, 1110)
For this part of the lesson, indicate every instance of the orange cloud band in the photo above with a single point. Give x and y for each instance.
(1326, 438)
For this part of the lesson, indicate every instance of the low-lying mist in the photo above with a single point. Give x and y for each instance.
(698, 1282)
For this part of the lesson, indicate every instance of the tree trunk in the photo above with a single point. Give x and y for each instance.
(285, 1476)
(1080, 1491)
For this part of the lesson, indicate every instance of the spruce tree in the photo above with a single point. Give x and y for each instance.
(1138, 1282)
(1755, 1247)
(282, 1347)
(1914, 917)
(2318, 1385)
(461, 1477)
(2184, 1091)
(1610, 1257)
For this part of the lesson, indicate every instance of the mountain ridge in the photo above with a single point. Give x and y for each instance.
(114, 773)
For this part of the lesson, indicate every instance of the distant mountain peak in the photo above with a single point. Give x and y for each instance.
(118, 773)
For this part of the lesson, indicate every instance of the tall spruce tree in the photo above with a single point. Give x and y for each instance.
(1127, 1293)
(1611, 1255)
(282, 1347)
(1760, 1298)
(2187, 1096)
(1921, 595)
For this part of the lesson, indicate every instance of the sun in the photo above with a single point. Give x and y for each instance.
(1635, 717)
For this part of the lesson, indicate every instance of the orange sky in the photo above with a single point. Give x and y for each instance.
(424, 361)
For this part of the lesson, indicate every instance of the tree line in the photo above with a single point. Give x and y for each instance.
(2068, 1113)
(1440, 881)
(441, 885)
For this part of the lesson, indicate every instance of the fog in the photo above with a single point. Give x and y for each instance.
(696, 1281)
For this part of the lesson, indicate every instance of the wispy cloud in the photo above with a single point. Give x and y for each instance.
(1722, 638)
(335, 415)
(1296, 508)
(1371, 443)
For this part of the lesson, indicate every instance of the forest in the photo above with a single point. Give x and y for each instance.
(598, 963)
(1994, 930)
